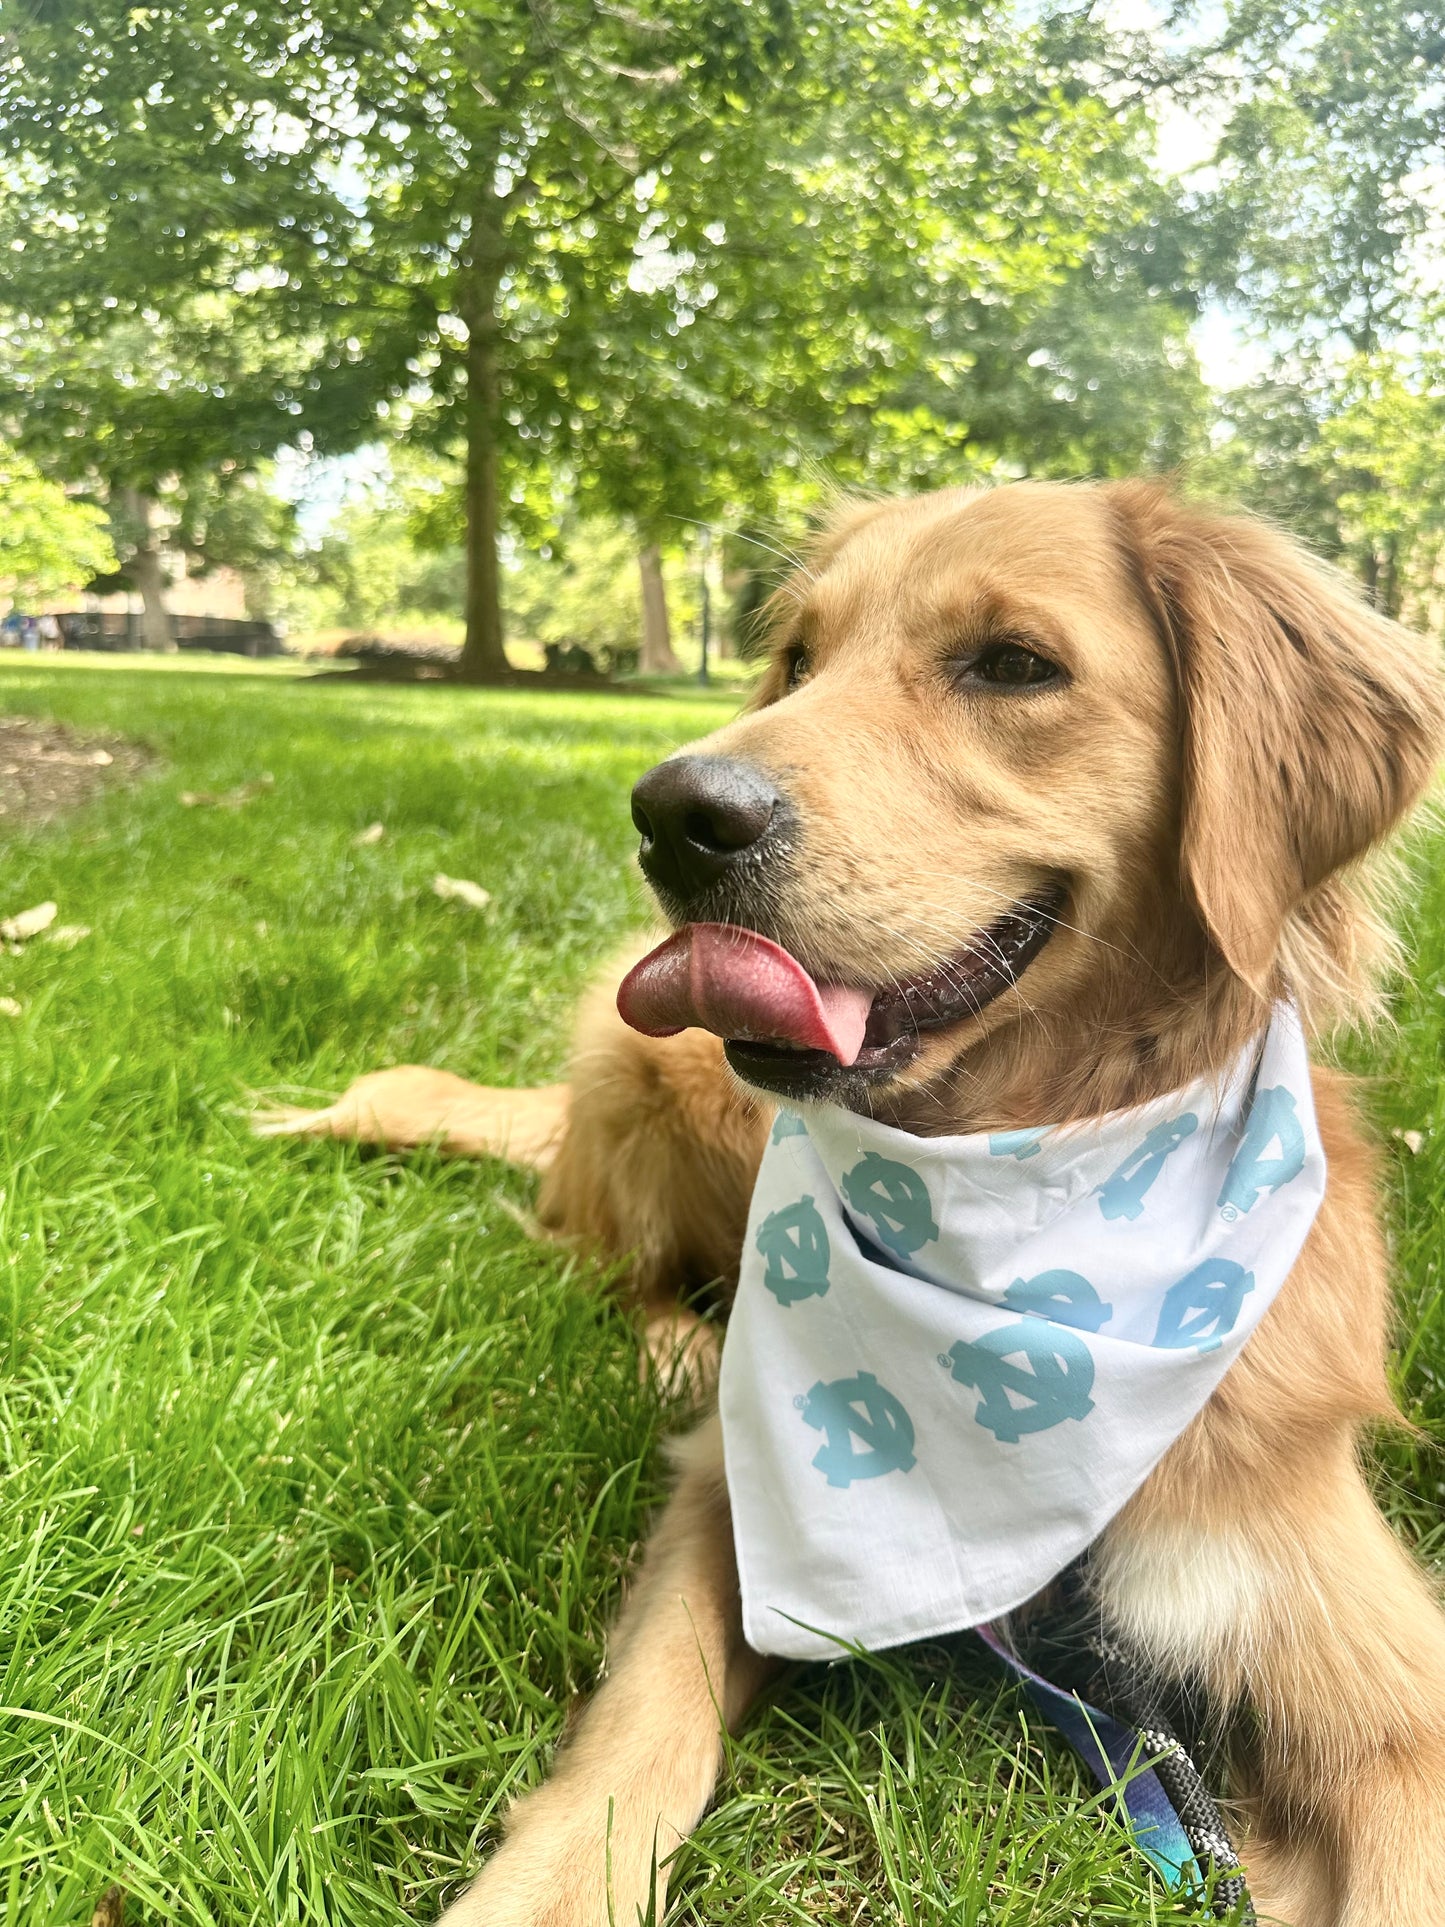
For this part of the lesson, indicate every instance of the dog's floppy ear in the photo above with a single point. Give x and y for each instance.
(1310, 724)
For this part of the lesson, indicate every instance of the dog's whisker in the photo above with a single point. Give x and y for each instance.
(790, 556)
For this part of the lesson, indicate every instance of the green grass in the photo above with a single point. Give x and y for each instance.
(318, 1482)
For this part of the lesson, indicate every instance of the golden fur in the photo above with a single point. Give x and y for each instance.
(1237, 732)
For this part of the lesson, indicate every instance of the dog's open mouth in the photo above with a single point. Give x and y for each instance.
(799, 1037)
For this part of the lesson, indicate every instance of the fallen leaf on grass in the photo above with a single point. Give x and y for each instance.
(28, 923)
(9, 1007)
(72, 759)
(68, 935)
(461, 890)
(373, 833)
(110, 1909)
(228, 799)
(1413, 1141)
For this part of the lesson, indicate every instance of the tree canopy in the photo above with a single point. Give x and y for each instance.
(669, 260)
(1322, 227)
(661, 257)
(48, 541)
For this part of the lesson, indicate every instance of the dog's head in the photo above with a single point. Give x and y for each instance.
(1022, 754)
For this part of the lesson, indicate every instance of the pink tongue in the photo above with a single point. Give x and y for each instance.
(717, 977)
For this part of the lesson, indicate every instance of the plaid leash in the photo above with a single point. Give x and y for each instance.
(1133, 1749)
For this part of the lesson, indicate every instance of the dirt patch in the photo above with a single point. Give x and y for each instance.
(46, 769)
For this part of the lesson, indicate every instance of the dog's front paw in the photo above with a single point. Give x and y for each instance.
(552, 1878)
(403, 1107)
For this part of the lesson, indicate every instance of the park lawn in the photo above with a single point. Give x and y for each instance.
(318, 1480)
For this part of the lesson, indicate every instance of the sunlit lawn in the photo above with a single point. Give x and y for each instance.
(318, 1482)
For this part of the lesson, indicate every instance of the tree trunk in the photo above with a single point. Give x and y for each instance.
(146, 572)
(484, 657)
(658, 655)
(1370, 574)
(1391, 586)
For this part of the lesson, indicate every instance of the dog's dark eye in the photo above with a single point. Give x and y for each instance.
(1009, 665)
(795, 665)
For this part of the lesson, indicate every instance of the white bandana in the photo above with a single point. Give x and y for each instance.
(952, 1360)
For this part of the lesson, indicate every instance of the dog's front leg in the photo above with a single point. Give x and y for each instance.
(640, 1769)
(1286, 1592)
(411, 1105)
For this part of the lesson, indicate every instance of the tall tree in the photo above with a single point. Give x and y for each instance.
(1319, 224)
(658, 657)
(430, 170)
(957, 261)
(1335, 114)
(675, 248)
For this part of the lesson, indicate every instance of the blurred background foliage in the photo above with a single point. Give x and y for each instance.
(509, 323)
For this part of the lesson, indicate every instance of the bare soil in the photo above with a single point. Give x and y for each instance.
(47, 769)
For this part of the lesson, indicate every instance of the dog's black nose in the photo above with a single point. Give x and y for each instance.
(696, 815)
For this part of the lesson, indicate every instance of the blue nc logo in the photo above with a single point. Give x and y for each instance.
(1016, 1144)
(1273, 1120)
(1061, 1295)
(895, 1201)
(794, 1241)
(1201, 1308)
(862, 1409)
(1121, 1195)
(1052, 1384)
(788, 1124)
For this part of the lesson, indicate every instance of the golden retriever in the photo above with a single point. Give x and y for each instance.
(1143, 747)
